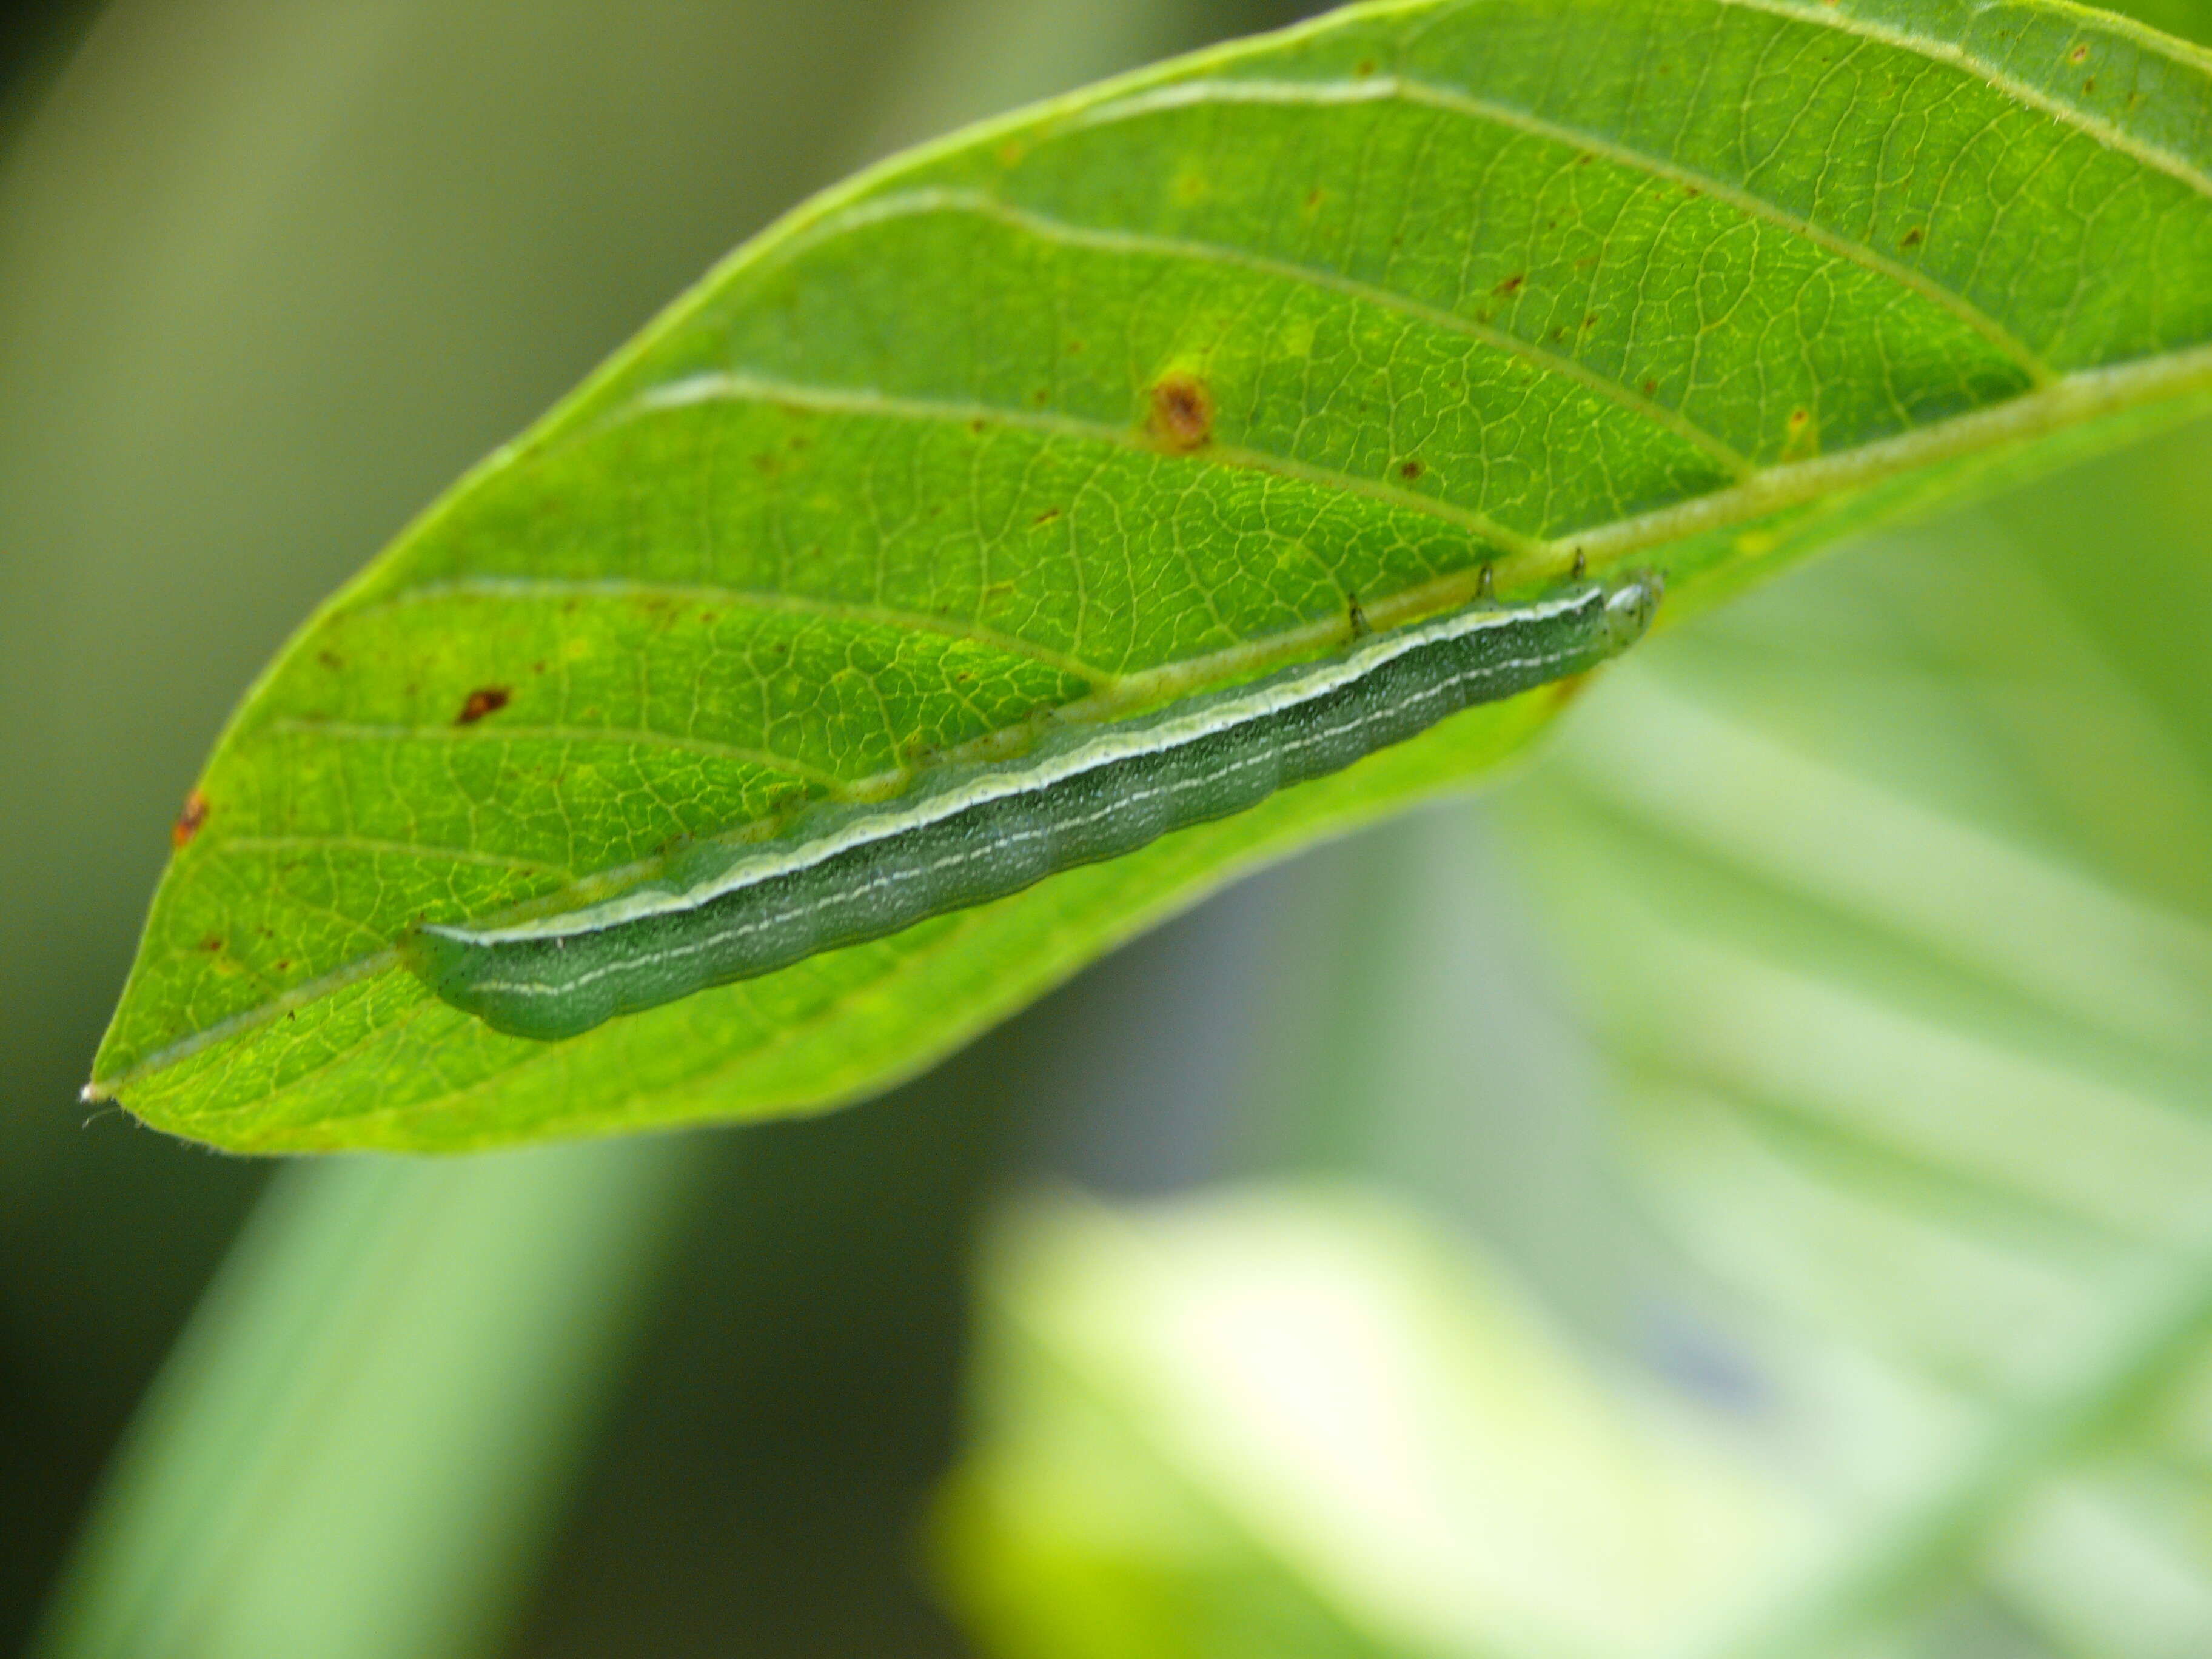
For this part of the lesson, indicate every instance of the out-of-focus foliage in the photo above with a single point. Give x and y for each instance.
(1887, 894)
(1300, 1422)
(1443, 285)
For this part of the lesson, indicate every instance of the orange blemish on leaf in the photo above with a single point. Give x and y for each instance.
(1183, 412)
(484, 700)
(189, 820)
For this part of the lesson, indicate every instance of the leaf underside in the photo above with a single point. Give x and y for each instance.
(1505, 282)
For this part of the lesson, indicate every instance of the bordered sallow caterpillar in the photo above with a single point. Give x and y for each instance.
(966, 834)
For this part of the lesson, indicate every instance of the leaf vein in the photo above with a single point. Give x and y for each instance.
(2094, 127)
(1045, 227)
(1474, 107)
(743, 386)
(372, 731)
(791, 601)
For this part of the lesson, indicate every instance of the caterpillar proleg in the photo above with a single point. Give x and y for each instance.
(967, 834)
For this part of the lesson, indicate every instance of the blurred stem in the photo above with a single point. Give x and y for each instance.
(363, 1438)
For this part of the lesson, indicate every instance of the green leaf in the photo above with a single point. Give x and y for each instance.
(1674, 281)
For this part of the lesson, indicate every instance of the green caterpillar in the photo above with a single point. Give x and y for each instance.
(968, 834)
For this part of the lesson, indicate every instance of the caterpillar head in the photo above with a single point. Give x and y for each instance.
(1630, 603)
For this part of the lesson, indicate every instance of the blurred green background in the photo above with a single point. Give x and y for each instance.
(272, 273)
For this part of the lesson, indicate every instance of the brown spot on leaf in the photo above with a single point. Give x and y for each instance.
(1411, 470)
(1183, 412)
(484, 700)
(2089, 85)
(330, 660)
(1649, 387)
(1047, 516)
(1364, 68)
(1313, 198)
(212, 943)
(189, 820)
(2080, 54)
(1511, 283)
(1914, 237)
